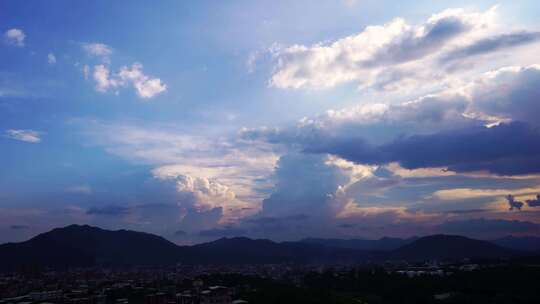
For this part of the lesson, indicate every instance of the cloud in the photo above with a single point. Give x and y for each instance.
(51, 59)
(29, 136)
(534, 202)
(97, 49)
(513, 203)
(469, 193)
(466, 211)
(360, 57)
(102, 77)
(209, 171)
(111, 210)
(204, 194)
(145, 86)
(488, 125)
(15, 37)
(507, 149)
(510, 93)
(491, 44)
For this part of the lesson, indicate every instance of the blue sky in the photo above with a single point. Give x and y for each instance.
(278, 119)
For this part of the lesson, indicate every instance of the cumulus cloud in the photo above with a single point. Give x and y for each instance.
(362, 56)
(510, 93)
(51, 58)
(204, 194)
(488, 125)
(209, 171)
(491, 44)
(29, 136)
(145, 86)
(98, 50)
(15, 37)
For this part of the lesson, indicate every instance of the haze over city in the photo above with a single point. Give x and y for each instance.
(282, 120)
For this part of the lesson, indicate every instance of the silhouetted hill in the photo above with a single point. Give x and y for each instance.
(450, 247)
(526, 243)
(383, 244)
(87, 246)
(81, 246)
(241, 250)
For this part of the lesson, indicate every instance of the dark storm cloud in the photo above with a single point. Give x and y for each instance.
(108, 210)
(492, 44)
(506, 149)
(19, 227)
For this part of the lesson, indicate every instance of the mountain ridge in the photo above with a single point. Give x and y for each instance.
(84, 245)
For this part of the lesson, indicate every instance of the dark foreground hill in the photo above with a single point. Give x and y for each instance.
(525, 243)
(83, 246)
(451, 247)
(382, 244)
(87, 246)
(242, 250)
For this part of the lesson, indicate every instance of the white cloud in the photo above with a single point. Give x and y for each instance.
(15, 37)
(218, 162)
(101, 76)
(98, 49)
(499, 96)
(29, 136)
(205, 194)
(145, 86)
(362, 57)
(509, 93)
(51, 59)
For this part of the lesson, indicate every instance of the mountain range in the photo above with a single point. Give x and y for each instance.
(83, 246)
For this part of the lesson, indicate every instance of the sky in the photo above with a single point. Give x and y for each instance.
(197, 120)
